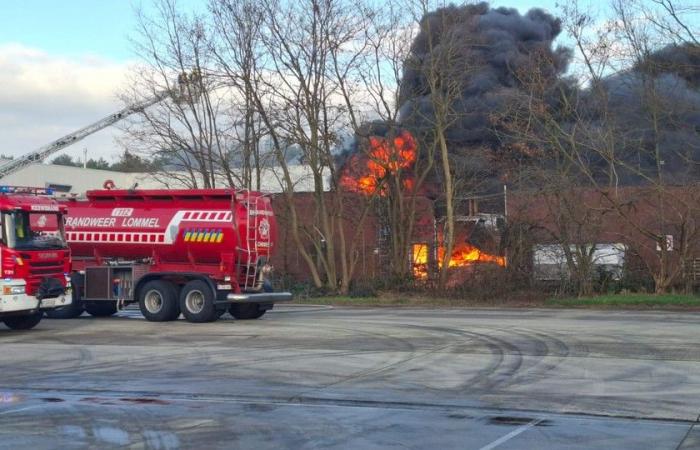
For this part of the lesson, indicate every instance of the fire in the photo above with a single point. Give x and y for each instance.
(420, 261)
(365, 172)
(464, 255)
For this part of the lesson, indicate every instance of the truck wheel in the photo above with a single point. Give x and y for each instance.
(246, 311)
(23, 322)
(101, 309)
(158, 301)
(75, 309)
(197, 302)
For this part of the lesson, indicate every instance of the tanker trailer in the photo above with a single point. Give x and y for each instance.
(198, 252)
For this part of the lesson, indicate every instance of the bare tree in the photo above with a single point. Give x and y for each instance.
(298, 67)
(667, 151)
(184, 128)
(619, 132)
(549, 139)
(239, 54)
(389, 32)
(443, 72)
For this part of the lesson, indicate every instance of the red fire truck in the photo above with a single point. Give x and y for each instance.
(198, 252)
(34, 257)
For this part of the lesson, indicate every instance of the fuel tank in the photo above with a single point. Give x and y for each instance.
(195, 226)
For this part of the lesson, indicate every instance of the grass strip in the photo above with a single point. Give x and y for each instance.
(621, 301)
(637, 300)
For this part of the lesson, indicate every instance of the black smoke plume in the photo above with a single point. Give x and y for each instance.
(655, 110)
(487, 50)
(490, 55)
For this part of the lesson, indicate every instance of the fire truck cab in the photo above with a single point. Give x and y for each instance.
(34, 256)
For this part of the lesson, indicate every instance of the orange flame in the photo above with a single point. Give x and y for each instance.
(420, 261)
(463, 255)
(364, 172)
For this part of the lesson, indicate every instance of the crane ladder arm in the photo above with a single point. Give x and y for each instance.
(69, 139)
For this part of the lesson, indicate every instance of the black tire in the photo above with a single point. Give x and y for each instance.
(197, 302)
(101, 308)
(23, 322)
(158, 301)
(75, 309)
(246, 311)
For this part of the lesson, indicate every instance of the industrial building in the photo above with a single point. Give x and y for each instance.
(71, 180)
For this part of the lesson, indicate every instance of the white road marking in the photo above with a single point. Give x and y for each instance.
(511, 435)
(20, 409)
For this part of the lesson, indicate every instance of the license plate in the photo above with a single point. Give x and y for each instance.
(48, 302)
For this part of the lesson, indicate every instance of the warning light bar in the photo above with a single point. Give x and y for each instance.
(25, 190)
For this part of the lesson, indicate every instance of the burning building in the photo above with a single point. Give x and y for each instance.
(497, 46)
(386, 165)
(367, 172)
(494, 44)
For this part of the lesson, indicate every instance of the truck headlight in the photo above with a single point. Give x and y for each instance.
(12, 290)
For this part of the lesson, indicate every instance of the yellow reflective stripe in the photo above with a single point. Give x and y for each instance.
(206, 235)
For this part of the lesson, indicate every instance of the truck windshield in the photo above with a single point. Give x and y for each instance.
(33, 230)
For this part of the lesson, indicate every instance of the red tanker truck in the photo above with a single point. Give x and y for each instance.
(198, 252)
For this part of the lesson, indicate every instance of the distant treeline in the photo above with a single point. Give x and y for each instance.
(127, 162)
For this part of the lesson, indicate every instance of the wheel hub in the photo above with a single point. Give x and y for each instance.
(194, 302)
(153, 301)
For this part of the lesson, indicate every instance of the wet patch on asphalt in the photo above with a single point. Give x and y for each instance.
(517, 421)
(52, 399)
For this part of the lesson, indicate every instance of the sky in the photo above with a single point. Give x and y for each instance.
(63, 63)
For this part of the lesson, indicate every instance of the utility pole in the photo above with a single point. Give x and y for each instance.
(85, 158)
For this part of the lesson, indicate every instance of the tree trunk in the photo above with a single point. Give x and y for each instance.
(448, 236)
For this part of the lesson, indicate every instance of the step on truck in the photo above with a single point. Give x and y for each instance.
(196, 252)
(34, 256)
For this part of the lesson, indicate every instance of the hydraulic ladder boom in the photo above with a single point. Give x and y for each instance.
(70, 139)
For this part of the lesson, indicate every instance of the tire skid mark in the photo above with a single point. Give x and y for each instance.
(506, 358)
(388, 368)
(555, 352)
(495, 346)
(86, 364)
(516, 355)
(404, 346)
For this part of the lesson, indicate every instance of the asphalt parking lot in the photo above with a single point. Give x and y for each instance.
(319, 377)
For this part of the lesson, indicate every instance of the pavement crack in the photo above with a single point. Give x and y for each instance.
(687, 434)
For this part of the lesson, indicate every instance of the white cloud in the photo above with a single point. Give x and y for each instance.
(44, 96)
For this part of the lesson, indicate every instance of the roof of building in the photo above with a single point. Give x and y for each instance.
(71, 180)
